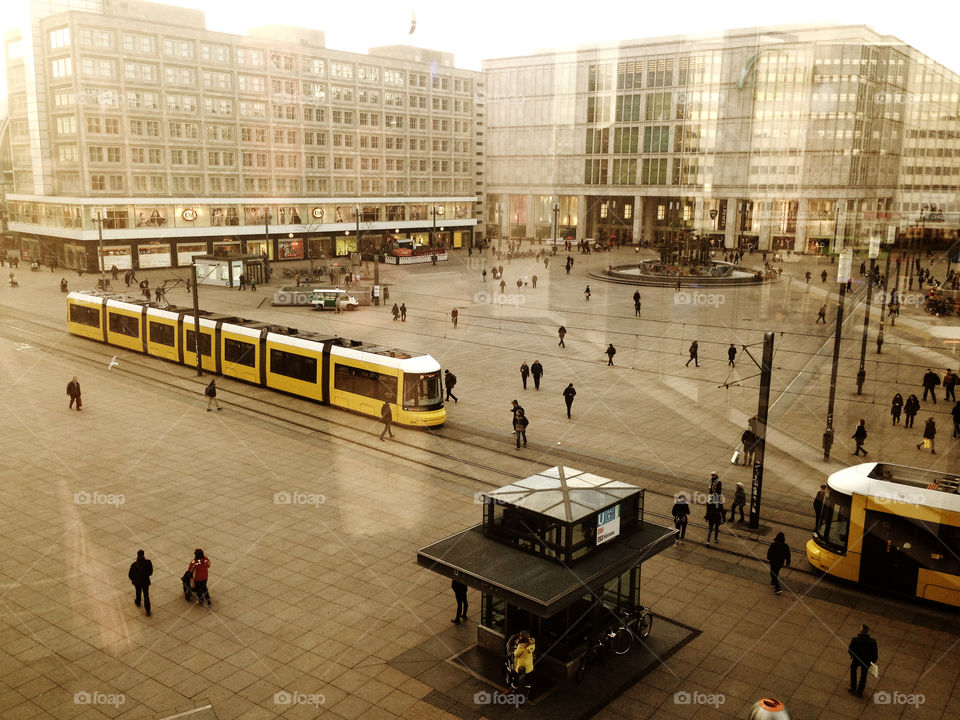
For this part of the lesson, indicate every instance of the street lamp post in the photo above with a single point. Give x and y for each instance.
(843, 276)
(556, 222)
(196, 317)
(435, 210)
(266, 241)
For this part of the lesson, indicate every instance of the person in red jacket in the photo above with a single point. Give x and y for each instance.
(200, 567)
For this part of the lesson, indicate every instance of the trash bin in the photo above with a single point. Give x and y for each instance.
(769, 709)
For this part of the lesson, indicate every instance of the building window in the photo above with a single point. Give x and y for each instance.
(59, 38)
(98, 182)
(654, 172)
(656, 139)
(62, 68)
(595, 172)
(658, 107)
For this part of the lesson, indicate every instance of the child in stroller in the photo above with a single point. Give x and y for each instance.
(187, 579)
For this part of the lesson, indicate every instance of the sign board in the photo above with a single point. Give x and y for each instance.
(874, 247)
(891, 234)
(608, 524)
(844, 266)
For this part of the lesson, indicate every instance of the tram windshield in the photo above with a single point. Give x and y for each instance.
(834, 522)
(422, 391)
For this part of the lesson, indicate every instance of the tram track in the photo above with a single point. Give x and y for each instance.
(301, 415)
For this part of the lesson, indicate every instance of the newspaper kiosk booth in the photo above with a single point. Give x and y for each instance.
(558, 554)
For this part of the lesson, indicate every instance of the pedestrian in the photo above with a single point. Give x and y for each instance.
(678, 283)
(73, 390)
(929, 433)
(520, 423)
(694, 354)
(503, 286)
(140, 571)
(636, 306)
(823, 276)
(524, 373)
(484, 273)
(403, 312)
(561, 332)
(714, 517)
(778, 555)
(534, 281)
(822, 314)
(126, 278)
(386, 417)
(950, 381)
(568, 394)
(715, 494)
(514, 406)
(243, 282)
(807, 276)
(450, 380)
(863, 653)
(749, 440)
(454, 314)
(896, 407)
(930, 382)
(611, 351)
(956, 420)
(731, 355)
(460, 592)
(910, 410)
(586, 293)
(395, 311)
(211, 393)
(818, 502)
(537, 371)
(681, 514)
(520, 284)
(200, 567)
(859, 436)
(739, 501)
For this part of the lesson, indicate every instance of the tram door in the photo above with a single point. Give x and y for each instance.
(892, 546)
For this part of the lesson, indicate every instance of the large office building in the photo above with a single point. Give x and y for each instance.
(799, 138)
(133, 120)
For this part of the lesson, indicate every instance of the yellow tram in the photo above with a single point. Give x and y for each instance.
(349, 374)
(892, 527)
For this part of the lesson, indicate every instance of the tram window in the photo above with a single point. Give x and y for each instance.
(949, 550)
(85, 315)
(161, 333)
(205, 345)
(422, 390)
(241, 353)
(365, 382)
(123, 324)
(835, 521)
(298, 367)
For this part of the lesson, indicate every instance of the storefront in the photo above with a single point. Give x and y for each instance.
(290, 249)
(187, 251)
(153, 255)
(119, 256)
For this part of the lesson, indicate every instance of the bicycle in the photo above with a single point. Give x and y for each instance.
(634, 623)
(594, 653)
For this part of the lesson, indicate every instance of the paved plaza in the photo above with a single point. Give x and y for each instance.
(318, 606)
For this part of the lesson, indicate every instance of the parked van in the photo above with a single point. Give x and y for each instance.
(327, 299)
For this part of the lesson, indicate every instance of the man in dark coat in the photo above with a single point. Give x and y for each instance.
(929, 433)
(450, 380)
(930, 382)
(778, 555)
(568, 394)
(859, 437)
(73, 390)
(386, 417)
(524, 373)
(561, 332)
(140, 571)
(460, 592)
(537, 371)
(732, 354)
(694, 354)
(862, 651)
(611, 351)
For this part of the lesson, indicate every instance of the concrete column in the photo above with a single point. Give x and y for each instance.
(800, 241)
(637, 218)
(504, 216)
(699, 228)
(730, 234)
(581, 216)
(837, 241)
(764, 241)
(530, 230)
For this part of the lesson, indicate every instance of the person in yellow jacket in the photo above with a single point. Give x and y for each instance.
(523, 657)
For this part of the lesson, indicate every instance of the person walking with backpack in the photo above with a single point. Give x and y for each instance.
(950, 381)
(211, 393)
(450, 380)
(778, 555)
(520, 423)
(140, 571)
(199, 567)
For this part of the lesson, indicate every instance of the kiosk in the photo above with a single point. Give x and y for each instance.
(558, 554)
